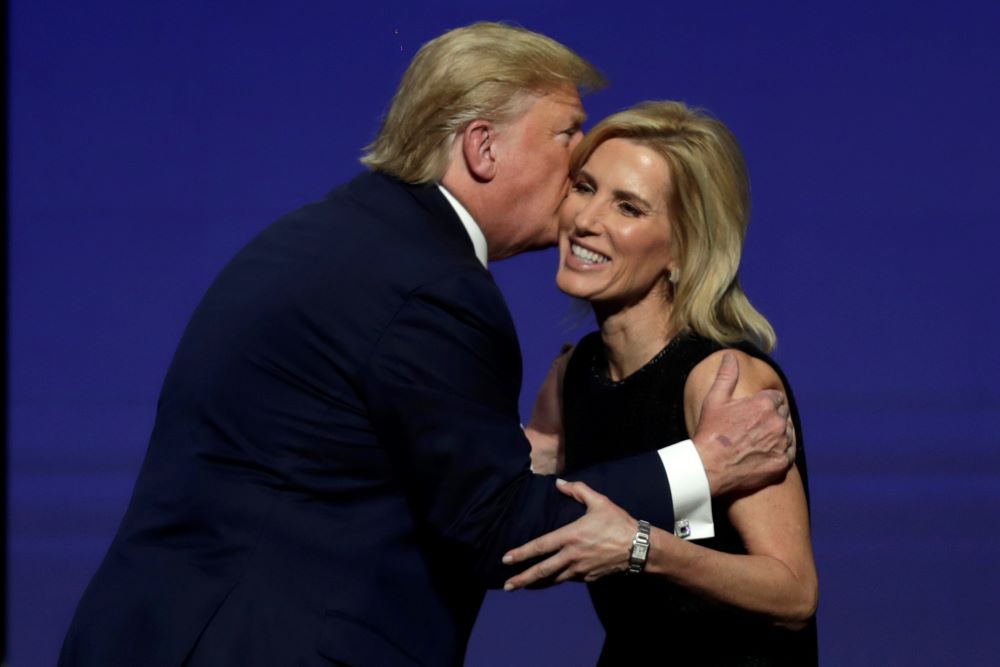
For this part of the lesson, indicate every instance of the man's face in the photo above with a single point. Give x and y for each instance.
(533, 153)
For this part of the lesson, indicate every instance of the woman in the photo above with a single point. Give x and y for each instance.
(651, 235)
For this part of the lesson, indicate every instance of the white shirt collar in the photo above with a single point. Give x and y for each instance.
(470, 224)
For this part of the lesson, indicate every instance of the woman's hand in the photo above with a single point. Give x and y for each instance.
(596, 544)
(545, 430)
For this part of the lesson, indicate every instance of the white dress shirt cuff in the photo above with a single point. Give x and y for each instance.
(689, 489)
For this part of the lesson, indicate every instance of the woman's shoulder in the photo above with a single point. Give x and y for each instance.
(758, 370)
(589, 341)
(587, 350)
(691, 358)
(694, 348)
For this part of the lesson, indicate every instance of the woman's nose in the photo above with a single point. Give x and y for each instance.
(588, 219)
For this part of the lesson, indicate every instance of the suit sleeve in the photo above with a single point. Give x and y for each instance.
(442, 387)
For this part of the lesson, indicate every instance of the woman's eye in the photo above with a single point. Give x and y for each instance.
(630, 210)
(583, 186)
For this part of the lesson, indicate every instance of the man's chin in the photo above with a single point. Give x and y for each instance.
(513, 252)
(543, 244)
(527, 246)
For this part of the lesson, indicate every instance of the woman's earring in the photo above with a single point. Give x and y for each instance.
(675, 276)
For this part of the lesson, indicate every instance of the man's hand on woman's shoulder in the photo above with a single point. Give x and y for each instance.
(745, 442)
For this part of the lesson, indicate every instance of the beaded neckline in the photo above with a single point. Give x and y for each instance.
(599, 364)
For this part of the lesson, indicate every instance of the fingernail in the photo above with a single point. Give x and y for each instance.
(560, 481)
(508, 586)
(508, 559)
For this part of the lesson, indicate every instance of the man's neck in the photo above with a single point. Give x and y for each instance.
(472, 228)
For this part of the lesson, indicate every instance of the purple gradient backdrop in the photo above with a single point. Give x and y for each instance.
(150, 140)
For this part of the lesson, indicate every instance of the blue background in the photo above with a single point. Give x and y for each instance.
(150, 140)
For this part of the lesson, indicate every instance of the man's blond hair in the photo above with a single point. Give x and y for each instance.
(481, 71)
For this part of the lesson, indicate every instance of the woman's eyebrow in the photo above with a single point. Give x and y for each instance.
(628, 195)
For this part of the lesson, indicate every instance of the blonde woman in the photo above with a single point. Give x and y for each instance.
(651, 235)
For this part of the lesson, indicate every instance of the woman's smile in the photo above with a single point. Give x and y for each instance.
(615, 232)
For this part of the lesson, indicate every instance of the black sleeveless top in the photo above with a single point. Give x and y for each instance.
(645, 616)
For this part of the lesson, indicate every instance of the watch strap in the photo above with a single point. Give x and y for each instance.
(640, 548)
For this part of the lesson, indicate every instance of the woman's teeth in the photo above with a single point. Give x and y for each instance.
(588, 256)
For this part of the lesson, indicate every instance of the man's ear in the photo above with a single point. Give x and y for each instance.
(478, 149)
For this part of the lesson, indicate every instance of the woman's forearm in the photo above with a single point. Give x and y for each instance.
(756, 583)
(546, 451)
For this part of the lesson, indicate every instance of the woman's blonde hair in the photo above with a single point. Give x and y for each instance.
(709, 208)
(481, 71)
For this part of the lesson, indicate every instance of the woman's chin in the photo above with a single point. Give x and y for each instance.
(570, 285)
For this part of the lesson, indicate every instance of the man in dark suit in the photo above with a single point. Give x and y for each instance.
(337, 465)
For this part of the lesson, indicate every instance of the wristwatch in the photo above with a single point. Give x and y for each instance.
(640, 548)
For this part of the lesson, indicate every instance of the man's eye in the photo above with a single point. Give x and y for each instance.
(568, 135)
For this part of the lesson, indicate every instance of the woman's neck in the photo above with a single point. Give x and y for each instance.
(634, 334)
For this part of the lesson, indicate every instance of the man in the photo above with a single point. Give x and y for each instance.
(337, 466)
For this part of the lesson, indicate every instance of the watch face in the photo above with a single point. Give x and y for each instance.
(639, 553)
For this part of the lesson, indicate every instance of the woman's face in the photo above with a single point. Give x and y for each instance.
(614, 230)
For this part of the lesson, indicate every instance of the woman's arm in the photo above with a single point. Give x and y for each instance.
(545, 430)
(778, 576)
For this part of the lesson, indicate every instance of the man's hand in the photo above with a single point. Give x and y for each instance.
(596, 544)
(545, 430)
(746, 443)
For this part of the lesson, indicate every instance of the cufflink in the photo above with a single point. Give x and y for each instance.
(682, 529)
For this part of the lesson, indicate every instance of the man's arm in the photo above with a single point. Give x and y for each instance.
(712, 464)
(750, 438)
(777, 575)
(441, 387)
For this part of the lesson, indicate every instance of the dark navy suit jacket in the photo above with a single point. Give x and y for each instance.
(337, 464)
